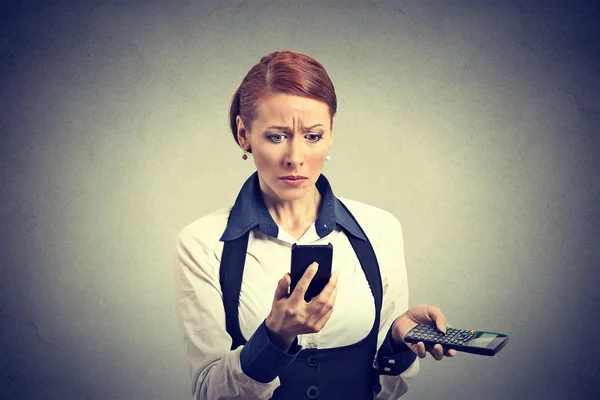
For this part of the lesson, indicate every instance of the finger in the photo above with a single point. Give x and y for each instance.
(320, 324)
(421, 350)
(412, 346)
(438, 316)
(282, 287)
(325, 295)
(450, 353)
(302, 285)
(437, 352)
(318, 311)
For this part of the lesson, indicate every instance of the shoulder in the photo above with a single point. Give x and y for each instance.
(380, 225)
(207, 230)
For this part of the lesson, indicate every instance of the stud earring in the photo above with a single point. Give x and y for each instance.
(327, 157)
(245, 155)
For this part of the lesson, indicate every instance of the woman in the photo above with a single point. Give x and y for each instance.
(248, 338)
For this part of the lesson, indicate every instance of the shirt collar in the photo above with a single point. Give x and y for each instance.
(249, 211)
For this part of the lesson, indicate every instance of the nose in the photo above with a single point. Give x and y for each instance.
(294, 154)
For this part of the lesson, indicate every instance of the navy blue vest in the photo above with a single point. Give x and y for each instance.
(340, 373)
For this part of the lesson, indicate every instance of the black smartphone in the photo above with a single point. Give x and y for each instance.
(302, 257)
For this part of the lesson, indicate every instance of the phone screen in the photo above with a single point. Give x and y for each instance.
(302, 257)
(482, 339)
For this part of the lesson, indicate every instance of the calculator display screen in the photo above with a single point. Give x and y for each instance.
(482, 339)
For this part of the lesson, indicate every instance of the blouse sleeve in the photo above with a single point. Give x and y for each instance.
(396, 364)
(216, 371)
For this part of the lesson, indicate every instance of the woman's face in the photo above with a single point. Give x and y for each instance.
(290, 138)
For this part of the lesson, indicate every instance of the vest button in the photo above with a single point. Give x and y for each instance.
(312, 392)
(312, 361)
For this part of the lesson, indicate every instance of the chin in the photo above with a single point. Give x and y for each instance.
(290, 193)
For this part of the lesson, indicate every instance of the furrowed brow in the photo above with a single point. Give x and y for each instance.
(287, 128)
(277, 127)
(312, 127)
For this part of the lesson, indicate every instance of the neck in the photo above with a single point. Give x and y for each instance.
(293, 214)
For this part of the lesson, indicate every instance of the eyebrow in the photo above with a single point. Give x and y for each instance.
(285, 127)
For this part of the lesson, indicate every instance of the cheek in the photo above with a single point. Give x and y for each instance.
(264, 160)
(317, 157)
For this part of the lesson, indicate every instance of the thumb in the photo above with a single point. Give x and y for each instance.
(441, 322)
(435, 315)
(282, 287)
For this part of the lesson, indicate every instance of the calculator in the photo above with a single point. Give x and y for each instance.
(465, 340)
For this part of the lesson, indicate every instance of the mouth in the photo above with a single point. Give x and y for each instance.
(293, 177)
(293, 181)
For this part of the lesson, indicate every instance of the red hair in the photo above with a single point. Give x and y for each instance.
(281, 72)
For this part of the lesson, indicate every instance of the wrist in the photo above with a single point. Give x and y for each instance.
(282, 341)
(396, 335)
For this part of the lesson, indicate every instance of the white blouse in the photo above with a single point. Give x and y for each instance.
(215, 369)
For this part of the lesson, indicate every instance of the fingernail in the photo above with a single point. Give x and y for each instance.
(316, 265)
(336, 272)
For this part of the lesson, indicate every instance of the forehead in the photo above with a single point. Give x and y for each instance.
(289, 109)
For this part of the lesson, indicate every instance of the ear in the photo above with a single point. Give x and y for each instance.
(242, 134)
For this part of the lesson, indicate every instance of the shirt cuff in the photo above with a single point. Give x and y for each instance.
(394, 358)
(262, 360)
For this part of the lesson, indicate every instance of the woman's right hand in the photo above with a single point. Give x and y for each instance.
(292, 316)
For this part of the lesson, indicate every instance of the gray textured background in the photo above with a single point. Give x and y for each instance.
(475, 123)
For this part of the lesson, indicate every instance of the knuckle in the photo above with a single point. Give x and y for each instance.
(291, 312)
(319, 302)
(301, 288)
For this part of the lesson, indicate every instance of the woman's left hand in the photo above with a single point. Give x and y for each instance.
(422, 314)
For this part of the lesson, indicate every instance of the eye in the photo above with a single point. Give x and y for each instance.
(314, 137)
(276, 138)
